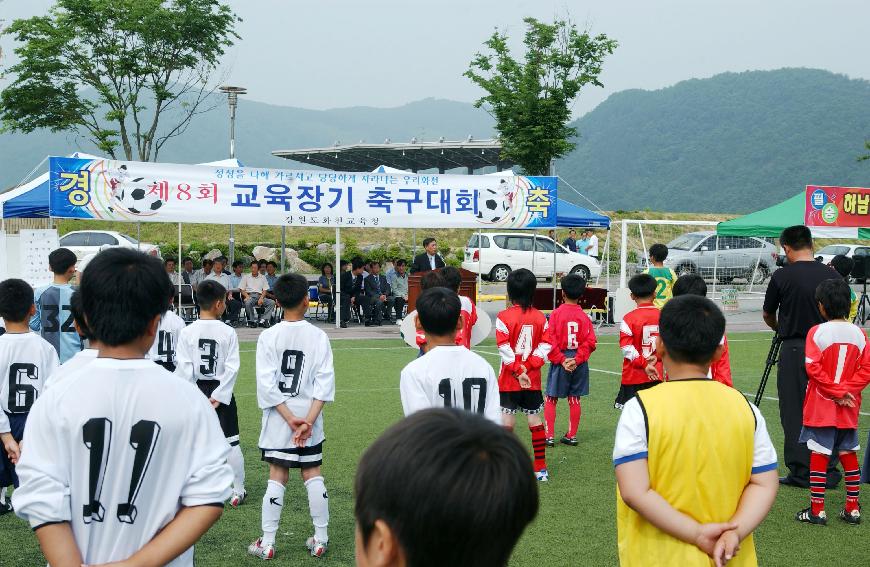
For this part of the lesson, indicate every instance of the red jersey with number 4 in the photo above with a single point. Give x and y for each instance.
(571, 329)
(637, 340)
(838, 361)
(522, 340)
(720, 370)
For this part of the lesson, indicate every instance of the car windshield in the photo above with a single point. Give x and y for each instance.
(686, 241)
(129, 239)
(834, 250)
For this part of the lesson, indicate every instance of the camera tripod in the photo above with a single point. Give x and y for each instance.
(863, 312)
(772, 359)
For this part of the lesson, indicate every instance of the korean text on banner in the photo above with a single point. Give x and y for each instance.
(156, 192)
(837, 206)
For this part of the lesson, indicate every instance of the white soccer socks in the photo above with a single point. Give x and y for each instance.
(237, 463)
(273, 503)
(318, 504)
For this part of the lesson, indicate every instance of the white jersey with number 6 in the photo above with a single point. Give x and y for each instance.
(294, 367)
(451, 376)
(116, 450)
(163, 351)
(209, 350)
(26, 362)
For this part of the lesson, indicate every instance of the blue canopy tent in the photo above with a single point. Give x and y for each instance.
(569, 215)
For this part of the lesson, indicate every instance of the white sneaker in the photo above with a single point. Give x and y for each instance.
(542, 475)
(317, 548)
(260, 551)
(238, 498)
(398, 321)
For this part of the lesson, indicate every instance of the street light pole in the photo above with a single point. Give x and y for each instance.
(233, 100)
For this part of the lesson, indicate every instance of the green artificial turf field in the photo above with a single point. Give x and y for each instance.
(576, 524)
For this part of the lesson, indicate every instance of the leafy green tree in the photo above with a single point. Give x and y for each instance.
(531, 99)
(128, 73)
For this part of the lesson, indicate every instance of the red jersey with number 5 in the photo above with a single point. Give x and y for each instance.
(838, 361)
(522, 340)
(637, 340)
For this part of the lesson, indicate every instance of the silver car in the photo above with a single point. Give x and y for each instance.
(732, 257)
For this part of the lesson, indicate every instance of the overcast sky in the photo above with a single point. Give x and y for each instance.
(337, 53)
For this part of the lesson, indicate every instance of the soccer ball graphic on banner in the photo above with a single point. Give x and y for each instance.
(496, 204)
(136, 197)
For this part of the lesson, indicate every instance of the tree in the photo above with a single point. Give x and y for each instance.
(128, 73)
(531, 99)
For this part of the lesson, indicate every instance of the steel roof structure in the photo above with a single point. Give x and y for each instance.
(415, 156)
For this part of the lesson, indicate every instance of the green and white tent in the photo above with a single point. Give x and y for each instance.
(772, 220)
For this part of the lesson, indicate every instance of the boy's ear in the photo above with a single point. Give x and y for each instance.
(151, 329)
(661, 350)
(460, 323)
(32, 311)
(417, 324)
(382, 549)
(717, 354)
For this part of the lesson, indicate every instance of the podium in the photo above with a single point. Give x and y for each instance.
(468, 287)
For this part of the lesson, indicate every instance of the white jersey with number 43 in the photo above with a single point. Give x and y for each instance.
(116, 450)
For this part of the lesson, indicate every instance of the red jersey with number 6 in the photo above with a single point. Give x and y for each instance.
(637, 340)
(571, 329)
(522, 340)
(838, 361)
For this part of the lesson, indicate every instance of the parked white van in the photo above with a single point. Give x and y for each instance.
(497, 254)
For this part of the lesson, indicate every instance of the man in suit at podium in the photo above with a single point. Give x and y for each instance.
(428, 260)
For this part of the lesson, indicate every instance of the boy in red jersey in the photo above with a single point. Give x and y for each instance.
(452, 280)
(693, 284)
(573, 340)
(637, 340)
(838, 368)
(521, 336)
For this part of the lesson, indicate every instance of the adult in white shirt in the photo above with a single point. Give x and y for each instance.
(253, 287)
(592, 249)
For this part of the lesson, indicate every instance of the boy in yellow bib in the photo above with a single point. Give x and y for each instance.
(695, 468)
(665, 277)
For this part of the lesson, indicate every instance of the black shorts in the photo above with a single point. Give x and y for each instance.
(628, 391)
(529, 402)
(295, 457)
(7, 469)
(228, 415)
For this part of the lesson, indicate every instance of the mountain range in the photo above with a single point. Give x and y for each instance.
(732, 143)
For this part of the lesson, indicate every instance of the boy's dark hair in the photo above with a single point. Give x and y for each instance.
(452, 473)
(690, 284)
(438, 309)
(61, 260)
(835, 296)
(642, 286)
(521, 286)
(238, 263)
(843, 264)
(430, 280)
(75, 307)
(428, 241)
(209, 292)
(691, 327)
(574, 286)
(658, 252)
(797, 237)
(16, 297)
(451, 277)
(122, 291)
(290, 289)
(356, 264)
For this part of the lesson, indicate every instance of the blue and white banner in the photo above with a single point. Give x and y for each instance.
(160, 192)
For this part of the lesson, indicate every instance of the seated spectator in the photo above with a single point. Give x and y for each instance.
(174, 276)
(398, 280)
(225, 261)
(253, 289)
(351, 290)
(326, 290)
(199, 275)
(234, 306)
(187, 271)
(236, 279)
(378, 298)
(263, 264)
(271, 276)
(367, 268)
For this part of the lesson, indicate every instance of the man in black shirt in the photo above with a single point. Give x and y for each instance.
(791, 310)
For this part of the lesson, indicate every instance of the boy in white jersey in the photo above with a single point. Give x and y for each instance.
(295, 378)
(166, 342)
(208, 356)
(83, 357)
(123, 461)
(448, 375)
(26, 361)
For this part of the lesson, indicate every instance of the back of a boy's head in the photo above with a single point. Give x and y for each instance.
(122, 291)
(574, 286)
(453, 487)
(290, 290)
(521, 286)
(61, 260)
(835, 296)
(642, 285)
(431, 279)
(843, 264)
(658, 252)
(690, 284)
(691, 327)
(452, 278)
(75, 307)
(208, 292)
(438, 309)
(796, 237)
(16, 297)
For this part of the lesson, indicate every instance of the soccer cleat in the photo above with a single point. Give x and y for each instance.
(806, 515)
(238, 498)
(542, 475)
(317, 548)
(260, 551)
(6, 508)
(853, 517)
(568, 441)
(550, 442)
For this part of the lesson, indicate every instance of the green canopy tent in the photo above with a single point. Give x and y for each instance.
(772, 220)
